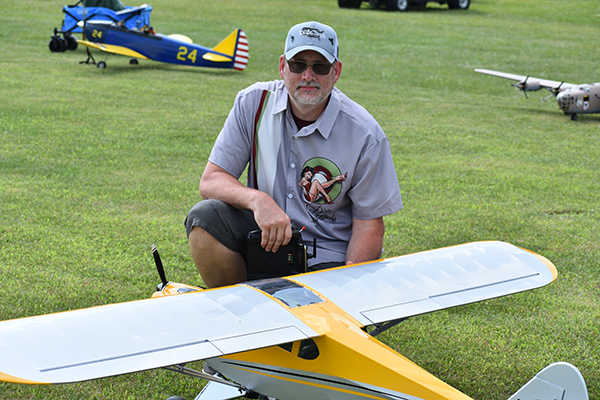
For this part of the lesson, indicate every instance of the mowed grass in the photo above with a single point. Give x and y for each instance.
(98, 165)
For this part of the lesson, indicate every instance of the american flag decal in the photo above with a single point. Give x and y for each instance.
(241, 52)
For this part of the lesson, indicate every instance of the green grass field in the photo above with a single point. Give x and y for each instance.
(98, 165)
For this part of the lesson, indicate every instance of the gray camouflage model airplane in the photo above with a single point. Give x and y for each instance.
(572, 99)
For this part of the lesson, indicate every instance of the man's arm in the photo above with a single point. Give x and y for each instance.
(217, 183)
(366, 242)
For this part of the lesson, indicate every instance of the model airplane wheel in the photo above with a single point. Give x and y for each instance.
(396, 5)
(349, 3)
(459, 4)
(574, 117)
(101, 64)
(133, 61)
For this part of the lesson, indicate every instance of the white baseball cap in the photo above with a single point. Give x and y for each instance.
(312, 36)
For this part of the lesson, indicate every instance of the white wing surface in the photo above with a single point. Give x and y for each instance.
(129, 337)
(520, 78)
(432, 280)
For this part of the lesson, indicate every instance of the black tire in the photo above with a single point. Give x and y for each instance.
(459, 4)
(71, 42)
(57, 44)
(397, 5)
(133, 61)
(101, 64)
(349, 3)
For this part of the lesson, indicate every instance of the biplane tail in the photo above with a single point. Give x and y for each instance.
(560, 380)
(236, 46)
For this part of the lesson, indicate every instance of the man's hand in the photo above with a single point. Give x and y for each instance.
(273, 222)
(217, 183)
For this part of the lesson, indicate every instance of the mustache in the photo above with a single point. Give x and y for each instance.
(310, 84)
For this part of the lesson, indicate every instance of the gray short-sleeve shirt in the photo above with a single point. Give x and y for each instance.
(322, 175)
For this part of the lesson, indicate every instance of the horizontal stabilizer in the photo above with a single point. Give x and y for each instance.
(560, 380)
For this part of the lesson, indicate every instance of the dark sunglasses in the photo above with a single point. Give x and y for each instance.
(298, 67)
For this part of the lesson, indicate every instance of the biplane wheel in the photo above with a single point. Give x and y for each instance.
(71, 42)
(396, 5)
(133, 61)
(101, 64)
(57, 44)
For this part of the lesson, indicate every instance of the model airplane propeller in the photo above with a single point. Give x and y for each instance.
(572, 99)
(294, 338)
(144, 43)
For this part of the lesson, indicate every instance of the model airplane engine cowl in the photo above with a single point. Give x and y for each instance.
(528, 85)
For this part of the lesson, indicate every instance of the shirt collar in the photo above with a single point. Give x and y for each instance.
(323, 124)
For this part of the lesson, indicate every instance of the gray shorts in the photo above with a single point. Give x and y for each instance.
(230, 226)
(225, 223)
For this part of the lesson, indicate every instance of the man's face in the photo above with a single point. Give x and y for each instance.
(308, 89)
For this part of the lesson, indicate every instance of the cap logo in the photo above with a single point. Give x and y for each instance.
(312, 33)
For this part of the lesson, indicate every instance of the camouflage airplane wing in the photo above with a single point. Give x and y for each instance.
(528, 83)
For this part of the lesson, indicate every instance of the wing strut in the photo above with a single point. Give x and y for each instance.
(382, 327)
(202, 375)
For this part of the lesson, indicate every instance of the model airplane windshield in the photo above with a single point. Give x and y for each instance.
(144, 43)
(294, 338)
(572, 99)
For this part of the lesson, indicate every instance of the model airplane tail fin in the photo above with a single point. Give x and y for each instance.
(236, 46)
(560, 380)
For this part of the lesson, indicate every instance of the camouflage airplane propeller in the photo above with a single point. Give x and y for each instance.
(572, 99)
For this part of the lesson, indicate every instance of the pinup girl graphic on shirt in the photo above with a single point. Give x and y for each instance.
(318, 181)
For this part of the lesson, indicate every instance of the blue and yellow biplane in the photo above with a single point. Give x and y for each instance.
(146, 44)
(127, 31)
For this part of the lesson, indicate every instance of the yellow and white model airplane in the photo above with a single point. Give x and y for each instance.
(294, 338)
(572, 99)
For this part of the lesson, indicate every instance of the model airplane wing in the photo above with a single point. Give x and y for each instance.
(531, 83)
(130, 337)
(107, 48)
(414, 284)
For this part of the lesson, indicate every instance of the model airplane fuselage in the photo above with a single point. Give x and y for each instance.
(294, 338)
(572, 99)
(109, 37)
